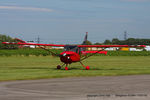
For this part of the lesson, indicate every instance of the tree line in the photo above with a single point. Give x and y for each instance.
(129, 41)
(114, 41)
(4, 38)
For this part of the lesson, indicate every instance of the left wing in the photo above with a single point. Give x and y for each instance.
(20, 43)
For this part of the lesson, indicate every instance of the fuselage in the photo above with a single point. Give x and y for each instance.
(69, 57)
(70, 54)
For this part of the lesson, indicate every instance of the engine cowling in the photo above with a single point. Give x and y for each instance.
(69, 56)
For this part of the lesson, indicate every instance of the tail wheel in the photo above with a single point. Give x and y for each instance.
(87, 67)
(58, 67)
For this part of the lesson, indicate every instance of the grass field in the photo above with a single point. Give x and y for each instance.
(41, 67)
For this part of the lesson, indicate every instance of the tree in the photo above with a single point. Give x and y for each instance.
(115, 41)
(107, 42)
(97, 43)
(88, 42)
(4, 38)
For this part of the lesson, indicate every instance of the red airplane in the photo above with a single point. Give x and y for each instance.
(73, 53)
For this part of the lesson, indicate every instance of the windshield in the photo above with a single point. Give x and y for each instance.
(71, 48)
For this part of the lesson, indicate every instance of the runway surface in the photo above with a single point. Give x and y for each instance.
(136, 87)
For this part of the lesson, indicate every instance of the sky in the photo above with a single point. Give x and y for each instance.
(67, 21)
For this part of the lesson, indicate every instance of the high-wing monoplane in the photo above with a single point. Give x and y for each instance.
(74, 53)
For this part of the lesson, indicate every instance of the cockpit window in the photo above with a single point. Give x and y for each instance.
(71, 48)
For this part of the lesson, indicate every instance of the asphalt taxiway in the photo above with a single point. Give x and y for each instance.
(134, 87)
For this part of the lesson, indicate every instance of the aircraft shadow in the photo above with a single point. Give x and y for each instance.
(72, 68)
(69, 68)
(29, 68)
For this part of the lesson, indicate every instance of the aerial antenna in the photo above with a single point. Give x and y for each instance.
(125, 35)
(85, 39)
(38, 40)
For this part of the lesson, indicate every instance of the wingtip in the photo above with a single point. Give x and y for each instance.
(5, 42)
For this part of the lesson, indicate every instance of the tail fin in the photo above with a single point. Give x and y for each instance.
(85, 39)
(19, 40)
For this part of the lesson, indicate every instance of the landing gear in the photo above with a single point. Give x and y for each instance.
(86, 67)
(58, 67)
(66, 67)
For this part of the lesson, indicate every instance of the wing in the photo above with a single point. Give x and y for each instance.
(107, 46)
(103, 47)
(37, 44)
(19, 43)
(59, 45)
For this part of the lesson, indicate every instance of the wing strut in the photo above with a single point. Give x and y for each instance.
(53, 54)
(91, 55)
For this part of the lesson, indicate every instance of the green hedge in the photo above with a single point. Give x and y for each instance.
(26, 52)
(41, 52)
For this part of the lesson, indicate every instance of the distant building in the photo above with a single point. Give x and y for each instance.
(147, 48)
(135, 49)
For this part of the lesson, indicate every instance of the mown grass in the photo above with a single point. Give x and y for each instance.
(42, 67)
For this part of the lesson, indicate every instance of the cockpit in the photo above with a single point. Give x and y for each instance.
(71, 48)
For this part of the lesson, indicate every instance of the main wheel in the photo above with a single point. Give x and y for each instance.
(87, 67)
(66, 68)
(58, 67)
